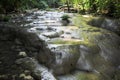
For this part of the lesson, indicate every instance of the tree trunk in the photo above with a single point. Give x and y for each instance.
(68, 6)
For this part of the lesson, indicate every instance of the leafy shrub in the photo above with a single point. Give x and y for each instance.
(65, 20)
(65, 17)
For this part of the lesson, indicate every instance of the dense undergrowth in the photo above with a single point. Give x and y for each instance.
(109, 8)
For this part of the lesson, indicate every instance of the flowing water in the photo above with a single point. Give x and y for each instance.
(81, 52)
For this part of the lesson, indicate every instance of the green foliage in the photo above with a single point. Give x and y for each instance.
(53, 3)
(4, 18)
(107, 7)
(65, 17)
(28, 4)
(117, 11)
(18, 5)
(8, 5)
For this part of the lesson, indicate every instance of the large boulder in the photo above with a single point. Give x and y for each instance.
(27, 49)
(100, 53)
(66, 57)
(106, 23)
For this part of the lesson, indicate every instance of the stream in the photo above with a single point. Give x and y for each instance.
(80, 52)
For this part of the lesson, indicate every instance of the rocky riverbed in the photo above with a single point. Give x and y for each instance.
(38, 47)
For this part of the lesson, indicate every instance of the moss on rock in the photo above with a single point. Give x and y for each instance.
(87, 76)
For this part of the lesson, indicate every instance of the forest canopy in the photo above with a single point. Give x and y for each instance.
(107, 7)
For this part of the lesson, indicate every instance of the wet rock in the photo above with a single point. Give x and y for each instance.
(22, 54)
(78, 75)
(68, 32)
(38, 71)
(66, 59)
(99, 54)
(53, 34)
(24, 41)
(4, 77)
(27, 63)
(46, 57)
(30, 39)
(25, 77)
(106, 23)
(44, 38)
(39, 29)
(50, 28)
(62, 36)
(84, 63)
(18, 42)
(34, 42)
(5, 33)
